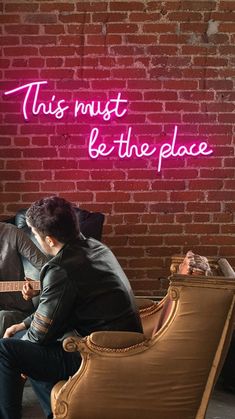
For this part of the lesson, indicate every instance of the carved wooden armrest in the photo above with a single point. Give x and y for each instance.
(106, 341)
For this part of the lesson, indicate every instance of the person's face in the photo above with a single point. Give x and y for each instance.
(44, 242)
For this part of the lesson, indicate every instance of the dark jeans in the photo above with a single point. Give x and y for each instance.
(44, 363)
(42, 389)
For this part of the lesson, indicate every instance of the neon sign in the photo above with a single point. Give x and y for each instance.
(113, 108)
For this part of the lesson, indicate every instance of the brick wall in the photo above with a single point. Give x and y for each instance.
(173, 61)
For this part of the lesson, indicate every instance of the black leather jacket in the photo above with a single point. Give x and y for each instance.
(83, 288)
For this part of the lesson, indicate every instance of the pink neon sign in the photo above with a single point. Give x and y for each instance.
(126, 149)
(115, 107)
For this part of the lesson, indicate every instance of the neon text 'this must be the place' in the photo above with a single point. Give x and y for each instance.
(115, 107)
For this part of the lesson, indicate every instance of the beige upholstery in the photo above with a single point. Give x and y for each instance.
(170, 375)
(150, 314)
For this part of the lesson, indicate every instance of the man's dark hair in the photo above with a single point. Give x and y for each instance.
(54, 216)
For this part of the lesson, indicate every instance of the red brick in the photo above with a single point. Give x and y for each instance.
(210, 61)
(225, 217)
(57, 51)
(219, 240)
(183, 218)
(149, 196)
(199, 184)
(183, 240)
(183, 16)
(9, 197)
(133, 229)
(223, 16)
(197, 95)
(199, 50)
(201, 218)
(9, 18)
(217, 173)
(21, 7)
(109, 17)
(22, 187)
(180, 84)
(22, 51)
(229, 184)
(61, 7)
(202, 207)
(193, 27)
(22, 29)
(144, 17)
(166, 229)
(74, 17)
(54, 29)
(10, 175)
(58, 186)
(123, 5)
(173, 39)
(39, 40)
(228, 229)
(202, 228)
(38, 175)
(182, 106)
(129, 207)
(9, 40)
(4, 63)
(166, 207)
(19, 74)
(187, 196)
(41, 18)
(148, 240)
(230, 207)
(162, 50)
(122, 28)
(198, 5)
(227, 5)
(5, 141)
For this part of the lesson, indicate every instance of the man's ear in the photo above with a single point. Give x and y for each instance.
(51, 241)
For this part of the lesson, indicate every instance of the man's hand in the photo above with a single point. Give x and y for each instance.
(28, 292)
(12, 330)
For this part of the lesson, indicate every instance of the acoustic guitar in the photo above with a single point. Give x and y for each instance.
(10, 286)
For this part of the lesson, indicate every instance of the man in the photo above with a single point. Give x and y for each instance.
(14, 244)
(83, 288)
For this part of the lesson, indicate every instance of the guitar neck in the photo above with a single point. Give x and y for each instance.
(10, 286)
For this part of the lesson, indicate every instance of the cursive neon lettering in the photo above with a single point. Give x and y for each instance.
(127, 150)
(97, 150)
(114, 107)
(94, 108)
(167, 150)
(32, 94)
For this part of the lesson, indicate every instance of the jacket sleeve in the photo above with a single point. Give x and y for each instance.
(52, 317)
(29, 250)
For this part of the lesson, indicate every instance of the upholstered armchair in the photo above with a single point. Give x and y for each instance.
(171, 374)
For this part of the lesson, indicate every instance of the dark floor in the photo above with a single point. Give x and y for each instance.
(221, 406)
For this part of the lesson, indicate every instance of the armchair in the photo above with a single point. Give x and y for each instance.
(169, 375)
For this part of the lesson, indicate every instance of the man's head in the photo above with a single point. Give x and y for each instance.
(53, 221)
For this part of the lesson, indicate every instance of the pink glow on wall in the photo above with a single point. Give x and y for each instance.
(115, 107)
